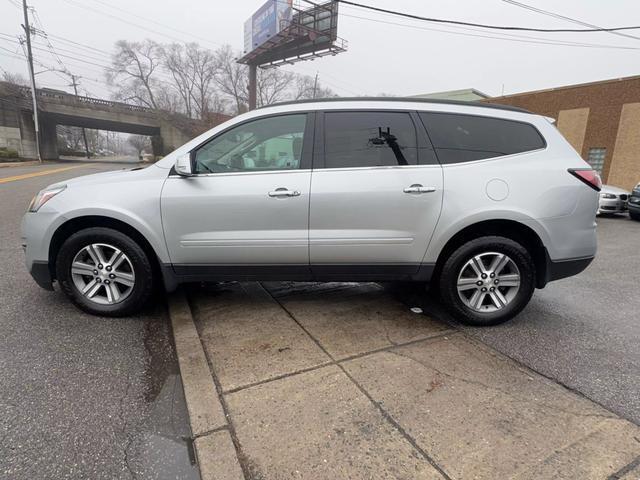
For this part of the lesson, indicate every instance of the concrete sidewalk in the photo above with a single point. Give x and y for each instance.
(342, 381)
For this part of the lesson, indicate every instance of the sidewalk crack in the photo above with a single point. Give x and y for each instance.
(501, 391)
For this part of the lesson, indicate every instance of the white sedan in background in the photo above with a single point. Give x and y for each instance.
(613, 200)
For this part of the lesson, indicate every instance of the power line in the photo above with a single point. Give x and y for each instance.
(482, 25)
(563, 17)
(543, 40)
(11, 53)
(519, 39)
(161, 79)
(46, 38)
(79, 45)
(80, 54)
(120, 19)
(157, 23)
(62, 55)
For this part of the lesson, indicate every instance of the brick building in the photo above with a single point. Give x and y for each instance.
(600, 119)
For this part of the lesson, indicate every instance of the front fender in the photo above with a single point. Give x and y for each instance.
(135, 203)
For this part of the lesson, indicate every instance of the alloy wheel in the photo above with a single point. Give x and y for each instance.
(103, 274)
(488, 282)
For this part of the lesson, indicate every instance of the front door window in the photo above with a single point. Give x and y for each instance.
(273, 143)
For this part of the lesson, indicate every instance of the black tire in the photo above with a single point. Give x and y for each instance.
(143, 285)
(455, 263)
(634, 216)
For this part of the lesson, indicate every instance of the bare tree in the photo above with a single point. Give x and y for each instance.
(203, 65)
(203, 83)
(273, 85)
(134, 71)
(306, 87)
(15, 78)
(232, 78)
(69, 137)
(140, 143)
(176, 61)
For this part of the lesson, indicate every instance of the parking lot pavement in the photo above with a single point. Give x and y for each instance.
(345, 381)
(582, 331)
(80, 396)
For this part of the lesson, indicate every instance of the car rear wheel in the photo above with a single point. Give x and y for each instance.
(104, 272)
(487, 280)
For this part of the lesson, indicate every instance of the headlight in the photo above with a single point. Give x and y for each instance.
(43, 196)
(607, 195)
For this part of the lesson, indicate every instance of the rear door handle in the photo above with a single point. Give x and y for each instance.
(417, 188)
(284, 192)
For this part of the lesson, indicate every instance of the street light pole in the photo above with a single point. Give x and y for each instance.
(36, 123)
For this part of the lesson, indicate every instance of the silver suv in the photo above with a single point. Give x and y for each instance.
(484, 201)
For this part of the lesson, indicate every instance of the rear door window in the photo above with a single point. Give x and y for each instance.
(369, 139)
(463, 138)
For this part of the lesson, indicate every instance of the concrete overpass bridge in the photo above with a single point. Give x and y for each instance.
(168, 131)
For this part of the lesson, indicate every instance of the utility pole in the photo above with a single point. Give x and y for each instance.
(315, 85)
(27, 30)
(74, 84)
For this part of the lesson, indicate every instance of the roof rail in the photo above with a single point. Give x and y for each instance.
(402, 99)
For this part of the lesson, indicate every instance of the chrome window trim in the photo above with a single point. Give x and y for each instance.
(228, 174)
(379, 167)
(480, 160)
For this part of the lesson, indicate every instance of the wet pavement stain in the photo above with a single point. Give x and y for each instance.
(162, 446)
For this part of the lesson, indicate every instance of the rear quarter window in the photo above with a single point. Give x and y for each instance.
(464, 138)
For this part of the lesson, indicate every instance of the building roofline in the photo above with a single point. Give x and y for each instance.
(567, 87)
(460, 90)
(402, 99)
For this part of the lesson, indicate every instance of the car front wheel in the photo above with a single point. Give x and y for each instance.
(104, 272)
(487, 280)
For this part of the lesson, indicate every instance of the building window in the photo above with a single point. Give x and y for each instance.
(596, 158)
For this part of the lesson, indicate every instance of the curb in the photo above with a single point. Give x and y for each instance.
(215, 452)
(19, 164)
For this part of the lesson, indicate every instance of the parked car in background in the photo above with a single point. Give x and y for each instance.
(634, 203)
(487, 202)
(612, 200)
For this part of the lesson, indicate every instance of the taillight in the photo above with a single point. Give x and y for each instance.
(588, 176)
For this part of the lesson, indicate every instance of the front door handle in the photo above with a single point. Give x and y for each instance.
(284, 192)
(417, 188)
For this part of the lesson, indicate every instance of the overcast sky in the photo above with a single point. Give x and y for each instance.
(411, 58)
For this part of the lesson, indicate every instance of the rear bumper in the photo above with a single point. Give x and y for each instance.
(555, 270)
(41, 274)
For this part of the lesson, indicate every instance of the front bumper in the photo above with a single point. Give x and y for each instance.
(35, 242)
(612, 205)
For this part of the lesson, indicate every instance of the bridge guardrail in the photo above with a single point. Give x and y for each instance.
(69, 98)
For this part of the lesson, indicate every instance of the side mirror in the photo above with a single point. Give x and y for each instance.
(183, 165)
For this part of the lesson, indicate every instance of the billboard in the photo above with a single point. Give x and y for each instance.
(272, 17)
(302, 34)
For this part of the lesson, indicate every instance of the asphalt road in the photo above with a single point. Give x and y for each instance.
(584, 331)
(80, 396)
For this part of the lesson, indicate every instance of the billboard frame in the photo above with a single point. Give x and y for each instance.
(308, 34)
